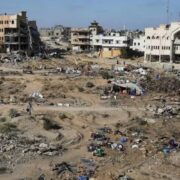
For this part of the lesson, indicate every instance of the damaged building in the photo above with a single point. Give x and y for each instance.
(57, 32)
(107, 43)
(17, 33)
(80, 39)
(110, 44)
(163, 43)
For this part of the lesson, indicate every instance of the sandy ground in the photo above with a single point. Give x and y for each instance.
(85, 115)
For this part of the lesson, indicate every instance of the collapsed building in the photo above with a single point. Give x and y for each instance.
(17, 33)
(58, 32)
(80, 39)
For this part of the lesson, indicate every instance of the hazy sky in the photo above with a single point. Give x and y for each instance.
(109, 13)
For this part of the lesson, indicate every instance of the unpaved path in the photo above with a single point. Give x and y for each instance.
(75, 109)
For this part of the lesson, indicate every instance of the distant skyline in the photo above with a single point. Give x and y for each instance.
(133, 14)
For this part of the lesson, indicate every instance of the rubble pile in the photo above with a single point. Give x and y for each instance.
(84, 170)
(164, 110)
(162, 85)
(17, 146)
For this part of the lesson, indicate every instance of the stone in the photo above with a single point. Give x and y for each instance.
(43, 145)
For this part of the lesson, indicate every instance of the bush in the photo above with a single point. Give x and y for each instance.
(13, 113)
(3, 119)
(7, 128)
(81, 89)
(106, 75)
(65, 116)
(89, 85)
(49, 124)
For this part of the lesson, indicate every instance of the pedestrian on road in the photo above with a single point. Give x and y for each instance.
(29, 108)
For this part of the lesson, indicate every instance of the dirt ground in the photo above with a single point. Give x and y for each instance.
(67, 115)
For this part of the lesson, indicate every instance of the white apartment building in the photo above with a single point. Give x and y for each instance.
(163, 43)
(108, 41)
(139, 44)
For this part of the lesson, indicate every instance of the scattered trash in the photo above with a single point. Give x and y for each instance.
(99, 152)
(62, 168)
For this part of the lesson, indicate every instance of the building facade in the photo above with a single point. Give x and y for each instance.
(58, 32)
(80, 39)
(163, 43)
(16, 32)
(109, 40)
(110, 44)
(139, 44)
(95, 28)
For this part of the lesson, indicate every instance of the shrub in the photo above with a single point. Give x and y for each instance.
(81, 89)
(106, 75)
(13, 113)
(89, 85)
(7, 128)
(49, 124)
(65, 116)
(3, 119)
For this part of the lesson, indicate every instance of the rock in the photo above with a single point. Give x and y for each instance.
(43, 145)
(160, 111)
(49, 153)
(11, 147)
(135, 146)
(25, 151)
(151, 121)
(33, 148)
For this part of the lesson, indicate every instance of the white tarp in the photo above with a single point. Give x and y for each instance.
(139, 90)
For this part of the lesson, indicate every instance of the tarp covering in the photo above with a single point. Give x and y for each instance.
(131, 86)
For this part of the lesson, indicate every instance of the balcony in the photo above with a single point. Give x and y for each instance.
(80, 43)
(11, 34)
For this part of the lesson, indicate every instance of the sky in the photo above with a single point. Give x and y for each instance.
(133, 14)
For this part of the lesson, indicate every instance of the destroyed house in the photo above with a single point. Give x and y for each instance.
(15, 32)
(80, 39)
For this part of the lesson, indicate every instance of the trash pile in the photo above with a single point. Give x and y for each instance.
(84, 170)
(161, 85)
(164, 110)
(10, 73)
(37, 96)
(18, 146)
(106, 138)
(45, 149)
(14, 57)
(171, 146)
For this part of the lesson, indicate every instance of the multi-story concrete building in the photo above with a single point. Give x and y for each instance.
(16, 32)
(138, 44)
(95, 28)
(163, 43)
(58, 32)
(109, 40)
(34, 37)
(80, 39)
(110, 44)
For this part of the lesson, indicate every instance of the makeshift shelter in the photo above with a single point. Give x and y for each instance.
(131, 88)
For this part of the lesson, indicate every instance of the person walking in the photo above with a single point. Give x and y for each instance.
(29, 108)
